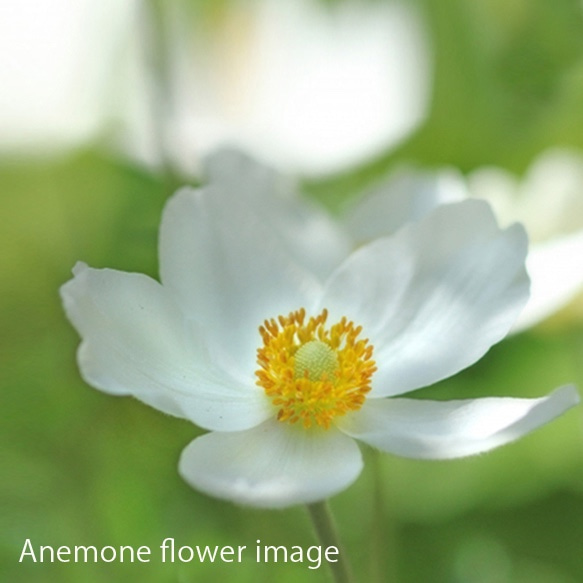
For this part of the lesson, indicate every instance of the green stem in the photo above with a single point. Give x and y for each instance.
(383, 535)
(326, 530)
(377, 523)
(156, 46)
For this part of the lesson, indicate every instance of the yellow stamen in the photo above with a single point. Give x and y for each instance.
(311, 372)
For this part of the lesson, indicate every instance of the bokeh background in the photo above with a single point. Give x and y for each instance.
(93, 142)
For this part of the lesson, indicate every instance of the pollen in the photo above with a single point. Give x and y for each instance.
(313, 372)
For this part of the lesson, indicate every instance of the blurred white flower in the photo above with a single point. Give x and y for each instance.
(55, 71)
(549, 201)
(287, 365)
(314, 88)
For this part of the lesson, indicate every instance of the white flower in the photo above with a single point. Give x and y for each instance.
(288, 368)
(310, 87)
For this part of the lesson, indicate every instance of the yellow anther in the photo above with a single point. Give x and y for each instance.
(311, 372)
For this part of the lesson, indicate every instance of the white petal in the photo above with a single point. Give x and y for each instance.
(228, 269)
(556, 273)
(406, 195)
(499, 188)
(450, 429)
(271, 466)
(435, 297)
(550, 201)
(306, 231)
(547, 200)
(137, 342)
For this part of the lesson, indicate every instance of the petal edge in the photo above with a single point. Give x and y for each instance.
(451, 429)
(272, 465)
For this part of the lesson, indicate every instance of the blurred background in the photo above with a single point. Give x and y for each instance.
(105, 107)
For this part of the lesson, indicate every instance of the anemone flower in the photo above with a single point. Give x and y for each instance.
(288, 371)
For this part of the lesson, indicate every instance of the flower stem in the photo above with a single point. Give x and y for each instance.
(383, 535)
(156, 38)
(326, 530)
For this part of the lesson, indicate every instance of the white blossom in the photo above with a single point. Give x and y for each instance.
(288, 362)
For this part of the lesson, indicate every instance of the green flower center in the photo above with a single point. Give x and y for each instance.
(315, 360)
